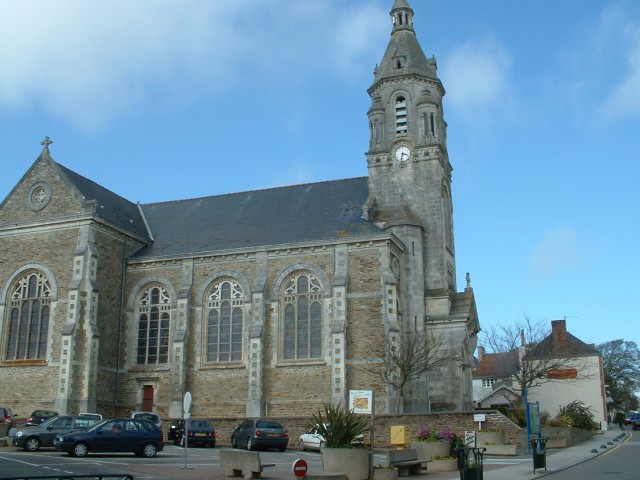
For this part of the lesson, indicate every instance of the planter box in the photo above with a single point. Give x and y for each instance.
(556, 443)
(495, 438)
(385, 474)
(443, 465)
(431, 449)
(354, 462)
(500, 450)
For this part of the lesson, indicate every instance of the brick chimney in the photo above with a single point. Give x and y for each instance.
(559, 339)
(481, 353)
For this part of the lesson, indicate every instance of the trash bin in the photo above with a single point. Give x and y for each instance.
(470, 462)
(539, 449)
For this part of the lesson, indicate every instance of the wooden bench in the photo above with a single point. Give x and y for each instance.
(242, 463)
(406, 461)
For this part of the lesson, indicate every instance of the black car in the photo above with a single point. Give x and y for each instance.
(200, 431)
(39, 416)
(32, 438)
(138, 436)
(254, 434)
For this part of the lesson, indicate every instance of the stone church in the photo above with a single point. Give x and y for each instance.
(267, 302)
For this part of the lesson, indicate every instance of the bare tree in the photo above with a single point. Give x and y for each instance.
(403, 358)
(538, 361)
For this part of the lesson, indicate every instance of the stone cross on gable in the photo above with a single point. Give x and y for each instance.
(46, 142)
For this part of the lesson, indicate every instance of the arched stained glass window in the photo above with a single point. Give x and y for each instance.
(154, 321)
(225, 316)
(29, 318)
(302, 325)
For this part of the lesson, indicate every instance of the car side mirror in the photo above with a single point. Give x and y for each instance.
(99, 430)
(50, 427)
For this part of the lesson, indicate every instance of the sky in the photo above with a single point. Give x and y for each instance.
(162, 100)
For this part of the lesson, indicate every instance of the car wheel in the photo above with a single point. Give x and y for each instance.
(32, 444)
(80, 449)
(149, 450)
(301, 445)
(250, 445)
(234, 444)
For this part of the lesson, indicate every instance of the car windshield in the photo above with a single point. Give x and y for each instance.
(48, 422)
(196, 423)
(268, 424)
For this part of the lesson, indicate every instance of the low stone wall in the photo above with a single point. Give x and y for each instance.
(458, 421)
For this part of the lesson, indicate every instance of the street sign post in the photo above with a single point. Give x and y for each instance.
(186, 407)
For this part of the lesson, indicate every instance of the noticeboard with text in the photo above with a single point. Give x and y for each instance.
(361, 401)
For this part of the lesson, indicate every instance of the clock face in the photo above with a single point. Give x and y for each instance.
(403, 153)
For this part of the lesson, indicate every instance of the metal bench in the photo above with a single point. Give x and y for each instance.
(406, 461)
(242, 463)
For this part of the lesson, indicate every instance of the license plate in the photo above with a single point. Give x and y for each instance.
(274, 434)
(200, 434)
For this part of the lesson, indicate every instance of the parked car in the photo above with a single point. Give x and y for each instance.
(635, 421)
(311, 440)
(6, 416)
(152, 417)
(39, 416)
(200, 431)
(254, 434)
(628, 417)
(138, 436)
(314, 440)
(32, 438)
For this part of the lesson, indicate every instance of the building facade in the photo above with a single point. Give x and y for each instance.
(258, 303)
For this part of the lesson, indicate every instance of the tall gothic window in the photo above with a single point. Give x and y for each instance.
(224, 322)
(154, 316)
(29, 318)
(401, 116)
(302, 332)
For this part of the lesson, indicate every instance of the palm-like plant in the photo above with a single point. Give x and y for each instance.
(340, 426)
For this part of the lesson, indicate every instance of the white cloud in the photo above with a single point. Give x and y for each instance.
(476, 76)
(559, 250)
(619, 32)
(89, 62)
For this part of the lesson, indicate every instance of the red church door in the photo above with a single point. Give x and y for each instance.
(147, 398)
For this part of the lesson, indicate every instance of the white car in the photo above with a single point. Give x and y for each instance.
(311, 440)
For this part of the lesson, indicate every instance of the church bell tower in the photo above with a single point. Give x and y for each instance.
(410, 180)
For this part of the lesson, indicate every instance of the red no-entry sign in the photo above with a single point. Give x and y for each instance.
(300, 467)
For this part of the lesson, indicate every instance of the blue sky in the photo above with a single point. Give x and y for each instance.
(162, 100)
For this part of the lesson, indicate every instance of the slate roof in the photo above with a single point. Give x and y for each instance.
(563, 345)
(308, 213)
(109, 206)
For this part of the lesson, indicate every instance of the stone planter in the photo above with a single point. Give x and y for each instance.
(486, 438)
(447, 465)
(509, 450)
(385, 474)
(556, 443)
(431, 449)
(354, 462)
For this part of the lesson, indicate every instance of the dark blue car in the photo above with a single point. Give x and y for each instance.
(116, 435)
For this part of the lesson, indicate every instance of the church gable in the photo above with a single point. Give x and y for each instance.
(42, 194)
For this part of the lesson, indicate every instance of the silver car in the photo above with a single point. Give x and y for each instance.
(32, 438)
